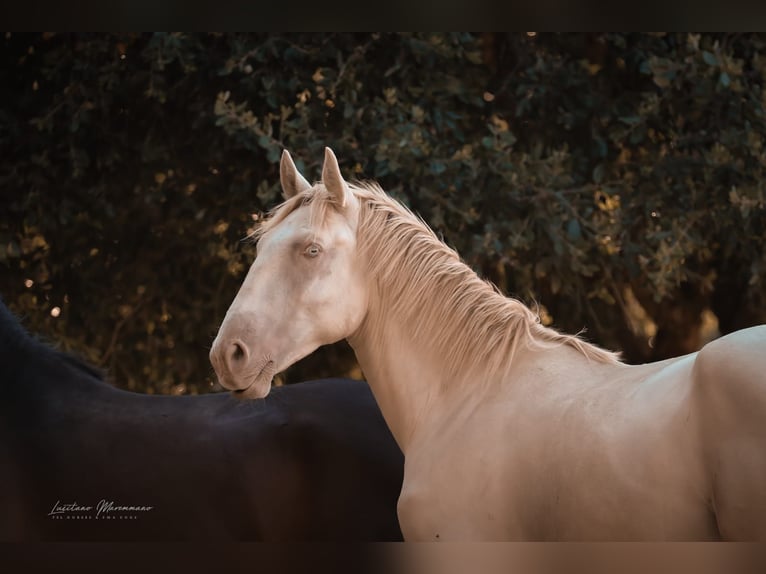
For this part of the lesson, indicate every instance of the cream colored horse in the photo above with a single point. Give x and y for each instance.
(510, 430)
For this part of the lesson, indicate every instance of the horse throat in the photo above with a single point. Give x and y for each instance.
(406, 383)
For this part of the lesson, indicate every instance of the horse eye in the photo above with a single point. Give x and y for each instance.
(313, 250)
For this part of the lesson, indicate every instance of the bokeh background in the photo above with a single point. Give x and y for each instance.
(614, 181)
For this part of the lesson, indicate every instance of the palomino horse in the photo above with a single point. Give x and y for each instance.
(82, 460)
(510, 430)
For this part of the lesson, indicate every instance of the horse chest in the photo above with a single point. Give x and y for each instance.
(457, 471)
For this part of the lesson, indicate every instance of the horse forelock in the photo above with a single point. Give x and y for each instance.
(316, 198)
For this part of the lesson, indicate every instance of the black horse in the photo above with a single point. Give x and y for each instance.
(82, 460)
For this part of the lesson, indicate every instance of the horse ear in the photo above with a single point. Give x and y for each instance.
(292, 181)
(332, 178)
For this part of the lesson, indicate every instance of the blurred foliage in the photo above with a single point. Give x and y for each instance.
(617, 180)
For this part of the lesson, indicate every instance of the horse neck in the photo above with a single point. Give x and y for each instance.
(404, 382)
(406, 369)
(434, 329)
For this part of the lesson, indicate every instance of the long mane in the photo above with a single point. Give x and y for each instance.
(426, 285)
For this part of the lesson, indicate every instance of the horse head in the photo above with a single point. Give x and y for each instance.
(304, 289)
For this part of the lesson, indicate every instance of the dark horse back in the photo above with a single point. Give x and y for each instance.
(81, 460)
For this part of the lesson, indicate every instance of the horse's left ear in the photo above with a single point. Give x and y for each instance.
(333, 180)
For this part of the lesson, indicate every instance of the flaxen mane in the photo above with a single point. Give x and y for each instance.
(425, 284)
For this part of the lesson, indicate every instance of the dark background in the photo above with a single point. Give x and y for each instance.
(615, 180)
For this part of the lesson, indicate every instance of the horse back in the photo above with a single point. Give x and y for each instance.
(346, 466)
(730, 386)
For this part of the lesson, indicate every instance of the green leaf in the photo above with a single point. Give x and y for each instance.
(574, 232)
(630, 120)
(601, 147)
(709, 58)
(437, 167)
(273, 154)
(598, 173)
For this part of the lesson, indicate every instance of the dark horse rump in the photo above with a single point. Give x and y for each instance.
(82, 460)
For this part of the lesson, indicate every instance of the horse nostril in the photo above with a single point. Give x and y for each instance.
(236, 357)
(238, 353)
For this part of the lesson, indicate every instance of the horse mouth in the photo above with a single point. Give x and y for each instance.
(252, 391)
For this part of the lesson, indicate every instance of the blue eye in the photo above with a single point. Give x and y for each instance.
(313, 250)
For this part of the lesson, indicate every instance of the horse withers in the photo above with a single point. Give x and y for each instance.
(82, 460)
(510, 430)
